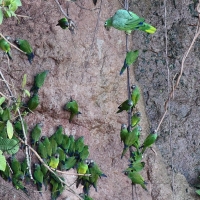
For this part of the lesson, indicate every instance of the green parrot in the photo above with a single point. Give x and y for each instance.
(41, 149)
(124, 132)
(17, 182)
(86, 184)
(15, 165)
(69, 163)
(25, 47)
(5, 46)
(135, 94)
(57, 188)
(72, 107)
(39, 81)
(36, 133)
(150, 139)
(79, 144)
(54, 161)
(84, 153)
(44, 170)
(135, 157)
(63, 23)
(135, 119)
(65, 143)
(130, 140)
(38, 177)
(6, 175)
(82, 168)
(62, 156)
(95, 174)
(135, 166)
(71, 149)
(58, 135)
(54, 145)
(33, 102)
(136, 178)
(45, 141)
(126, 105)
(131, 57)
(128, 21)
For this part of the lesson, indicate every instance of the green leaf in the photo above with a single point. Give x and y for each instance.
(18, 2)
(1, 110)
(6, 115)
(2, 126)
(11, 146)
(9, 129)
(2, 162)
(7, 13)
(1, 16)
(27, 93)
(24, 80)
(2, 99)
(198, 192)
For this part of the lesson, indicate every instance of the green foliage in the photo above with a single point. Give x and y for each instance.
(8, 8)
(10, 146)
(2, 162)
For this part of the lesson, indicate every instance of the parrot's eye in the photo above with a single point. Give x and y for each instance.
(105, 24)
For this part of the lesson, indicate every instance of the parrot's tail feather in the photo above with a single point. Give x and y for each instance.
(149, 29)
(9, 55)
(30, 57)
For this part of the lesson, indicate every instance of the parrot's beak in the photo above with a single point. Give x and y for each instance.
(107, 28)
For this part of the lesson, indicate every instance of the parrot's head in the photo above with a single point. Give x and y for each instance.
(133, 87)
(123, 126)
(138, 114)
(8, 38)
(130, 102)
(108, 24)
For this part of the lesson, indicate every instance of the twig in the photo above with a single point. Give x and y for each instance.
(11, 44)
(24, 16)
(168, 83)
(71, 174)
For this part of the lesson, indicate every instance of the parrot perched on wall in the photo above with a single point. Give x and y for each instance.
(36, 133)
(135, 119)
(39, 81)
(45, 141)
(72, 107)
(5, 46)
(124, 132)
(54, 161)
(150, 139)
(58, 135)
(126, 105)
(131, 140)
(135, 94)
(63, 23)
(136, 178)
(38, 176)
(131, 57)
(33, 102)
(25, 47)
(95, 174)
(128, 21)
